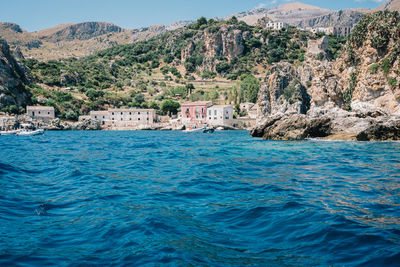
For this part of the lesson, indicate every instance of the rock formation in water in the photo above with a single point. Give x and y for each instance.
(356, 96)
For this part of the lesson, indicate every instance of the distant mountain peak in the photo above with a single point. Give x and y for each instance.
(297, 6)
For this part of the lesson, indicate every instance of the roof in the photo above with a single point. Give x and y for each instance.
(39, 108)
(198, 103)
(221, 106)
(94, 112)
(130, 110)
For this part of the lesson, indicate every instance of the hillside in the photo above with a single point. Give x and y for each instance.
(208, 60)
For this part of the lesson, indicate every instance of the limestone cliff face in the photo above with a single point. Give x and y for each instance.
(227, 42)
(356, 95)
(367, 72)
(13, 77)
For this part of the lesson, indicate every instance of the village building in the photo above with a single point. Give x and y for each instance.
(41, 113)
(343, 31)
(195, 112)
(267, 23)
(220, 115)
(124, 118)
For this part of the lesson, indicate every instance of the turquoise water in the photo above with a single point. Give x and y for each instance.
(176, 199)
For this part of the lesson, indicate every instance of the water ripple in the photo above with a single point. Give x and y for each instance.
(222, 199)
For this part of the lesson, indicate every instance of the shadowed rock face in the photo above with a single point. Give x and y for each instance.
(12, 79)
(11, 26)
(389, 130)
(84, 31)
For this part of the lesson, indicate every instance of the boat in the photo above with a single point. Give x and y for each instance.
(11, 132)
(199, 130)
(208, 130)
(31, 133)
(194, 130)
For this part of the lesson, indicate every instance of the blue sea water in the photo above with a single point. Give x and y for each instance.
(178, 199)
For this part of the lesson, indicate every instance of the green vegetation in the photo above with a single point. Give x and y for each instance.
(169, 107)
(348, 93)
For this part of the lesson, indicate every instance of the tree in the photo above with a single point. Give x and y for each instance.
(190, 88)
(169, 106)
(139, 98)
(249, 88)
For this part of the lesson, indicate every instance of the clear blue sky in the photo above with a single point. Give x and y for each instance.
(34, 15)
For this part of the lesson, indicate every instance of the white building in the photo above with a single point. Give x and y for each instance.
(276, 25)
(40, 113)
(220, 115)
(124, 118)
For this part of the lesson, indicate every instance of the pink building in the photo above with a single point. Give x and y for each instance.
(195, 112)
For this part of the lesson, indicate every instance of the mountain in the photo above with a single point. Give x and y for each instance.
(80, 31)
(77, 40)
(336, 18)
(291, 13)
(391, 5)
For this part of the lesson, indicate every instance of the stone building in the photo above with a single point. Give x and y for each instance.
(220, 115)
(343, 31)
(120, 119)
(41, 113)
(195, 112)
(318, 46)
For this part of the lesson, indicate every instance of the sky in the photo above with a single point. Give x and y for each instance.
(33, 15)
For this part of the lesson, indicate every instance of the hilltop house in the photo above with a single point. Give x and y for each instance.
(220, 115)
(195, 112)
(121, 119)
(267, 23)
(42, 113)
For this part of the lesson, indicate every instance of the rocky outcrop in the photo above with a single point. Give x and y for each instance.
(358, 94)
(227, 41)
(13, 78)
(58, 125)
(384, 130)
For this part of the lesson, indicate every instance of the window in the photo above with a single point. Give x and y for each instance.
(39, 112)
(209, 112)
(48, 113)
(215, 118)
(113, 113)
(147, 113)
(112, 118)
(147, 118)
(187, 110)
(103, 117)
(215, 112)
(197, 116)
(209, 118)
(130, 119)
(226, 118)
(139, 113)
(121, 119)
(138, 119)
(130, 113)
(95, 117)
(122, 113)
(202, 110)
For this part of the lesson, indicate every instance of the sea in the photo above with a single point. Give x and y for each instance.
(153, 198)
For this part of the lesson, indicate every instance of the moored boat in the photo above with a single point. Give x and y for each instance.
(31, 133)
(11, 132)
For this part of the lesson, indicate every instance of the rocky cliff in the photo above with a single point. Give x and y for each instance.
(13, 78)
(344, 97)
